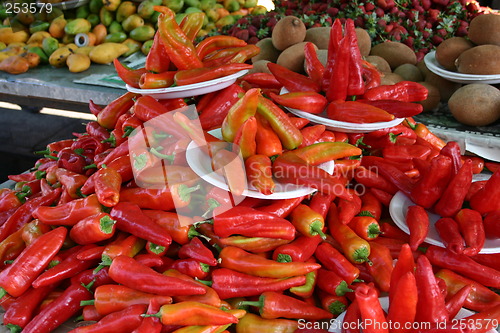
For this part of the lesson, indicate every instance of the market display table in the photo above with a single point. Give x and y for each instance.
(46, 86)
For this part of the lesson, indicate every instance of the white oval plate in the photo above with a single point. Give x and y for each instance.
(336, 326)
(201, 165)
(399, 206)
(436, 68)
(341, 126)
(190, 90)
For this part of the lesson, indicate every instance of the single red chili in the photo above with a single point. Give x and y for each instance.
(111, 298)
(332, 283)
(352, 318)
(356, 112)
(403, 307)
(258, 168)
(455, 303)
(307, 221)
(67, 268)
(108, 117)
(488, 259)
(418, 223)
(168, 198)
(244, 139)
(370, 206)
(212, 115)
(180, 227)
(150, 80)
(336, 262)
(130, 273)
(369, 178)
(191, 267)
(339, 71)
(93, 229)
(356, 84)
(366, 227)
(252, 244)
(301, 249)
(311, 134)
(405, 264)
(128, 75)
(470, 224)
(449, 232)
(313, 66)
(69, 213)
(307, 101)
(405, 91)
(399, 109)
(247, 221)
(17, 277)
(406, 153)
(262, 80)
(380, 266)
(372, 315)
(60, 310)
(157, 59)
(292, 81)
(197, 75)
(242, 261)
(195, 249)
(486, 199)
(491, 223)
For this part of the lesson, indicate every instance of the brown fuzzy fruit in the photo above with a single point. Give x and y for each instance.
(480, 60)
(448, 51)
(485, 29)
(288, 31)
(476, 104)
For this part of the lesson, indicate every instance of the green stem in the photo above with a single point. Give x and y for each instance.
(184, 191)
(90, 166)
(336, 308)
(284, 258)
(342, 289)
(89, 302)
(258, 303)
(373, 230)
(317, 229)
(106, 224)
(156, 153)
(366, 213)
(3, 292)
(14, 328)
(361, 255)
(205, 282)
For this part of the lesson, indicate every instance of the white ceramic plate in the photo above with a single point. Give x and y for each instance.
(336, 326)
(399, 206)
(190, 90)
(342, 126)
(201, 165)
(436, 68)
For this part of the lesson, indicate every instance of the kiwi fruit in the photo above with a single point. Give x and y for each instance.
(293, 57)
(260, 66)
(319, 36)
(409, 72)
(480, 60)
(446, 87)
(433, 97)
(423, 68)
(448, 51)
(379, 62)
(395, 53)
(390, 78)
(476, 104)
(485, 29)
(288, 31)
(364, 41)
(267, 51)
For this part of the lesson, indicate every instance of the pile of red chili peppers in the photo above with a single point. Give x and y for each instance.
(80, 240)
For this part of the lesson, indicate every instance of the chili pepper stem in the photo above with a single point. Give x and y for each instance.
(14, 328)
(373, 230)
(105, 261)
(3, 292)
(89, 285)
(342, 289)
(89, 302)
(316, 228)
(250, 303)
(336, 307)
(156, 153)
(284, 258)
(205, 282)
(361, 255)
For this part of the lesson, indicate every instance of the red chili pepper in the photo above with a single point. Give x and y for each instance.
(306, 290)
(372, 315)
(191, 267)
(308, 222)
(229, 283)
(197, 250)
(259, 173)
(107, 183)
(313, 66)
(491, 260)
(311, 134)
(480, 298)
(339, 71)
(67, 268)
(251, 244)
(69, 213)
(403, 307)
(491, 223)
(464, 265)
(92, 280)
(320, 203)
(405, 264)
(275, 305)
(486, 199)
(354, 247)
(60, 310)
(397, 108)
(197, 75)
(128, 75)
(492, 166)
(130, 273)
(307, 101)
(150, 324)
(94, 108)
(157, 60)
(130, 218)
(352, 318)
(214, 43)
(322, 152)
(370, 206)
(449, 232)
(348, 209)
(406, 153)
(457, 301)
(17, 277)
(453, 197)
(9, 200)
(298, 122)
(242, 261)
(12, 246)
(336, 262)
(171, 197)
(333, 46)
(214, 113)
(365, 227)
(72, 181)
(179, 48)
(431, 186)
(108, 117)
(150, 80)
(262, 80)
(239, 112)
(178, 226)
(369, 178)
(292, 81)
(470, 224)
(252, 222)
(405, 91)
(356, 112)
(300, 250)
(356, 84)
(127, 320)
(281, 208)
(244, 139)
(380, 266)
(111, 298)
(418, 224)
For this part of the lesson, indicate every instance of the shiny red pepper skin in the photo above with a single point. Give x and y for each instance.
(486, 199)
(281, 208)
(335, 261)
(399, 109)
(313, 66)
(431, 303)
(418, 224)
(449, 232)
(197, 250)
(157, 60)
(108, 117)
(339, 72)
(307, 101)
(403, 308)
(356, 112)
(381, 266)
(212, 115)
(301, 249)
(130, 218)
(69, 213)
(125, 320)
(370, 309)
(464, 265)
(292, 81)
(470, 224)
(491, 223)
(431, 186)
(129, 76)
(405, 91)
(61, 309)
(130, 273)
